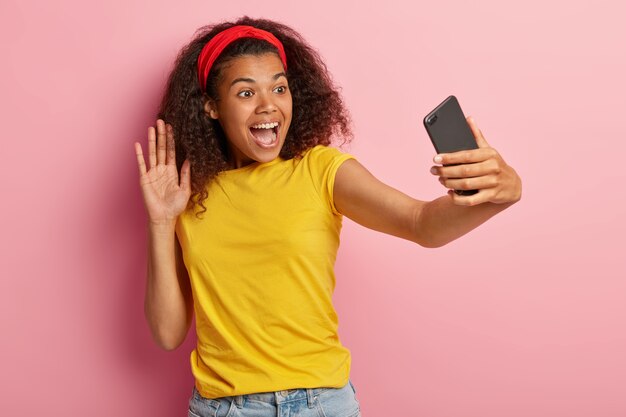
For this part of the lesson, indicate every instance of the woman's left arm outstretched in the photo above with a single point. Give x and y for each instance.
(373, 204)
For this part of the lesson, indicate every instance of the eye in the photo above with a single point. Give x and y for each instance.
(281, 89)
(245, 93)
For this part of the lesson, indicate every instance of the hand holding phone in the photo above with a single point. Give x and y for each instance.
(449, 132)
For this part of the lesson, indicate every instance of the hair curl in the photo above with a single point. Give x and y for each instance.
(319, 114)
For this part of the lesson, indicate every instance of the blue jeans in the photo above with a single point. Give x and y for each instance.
(304, 402)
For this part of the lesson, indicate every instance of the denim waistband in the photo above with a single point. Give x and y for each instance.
(276, 397)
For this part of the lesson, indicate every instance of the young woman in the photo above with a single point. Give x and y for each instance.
(247, 236)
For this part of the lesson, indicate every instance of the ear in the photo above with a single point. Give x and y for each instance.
(210, 108)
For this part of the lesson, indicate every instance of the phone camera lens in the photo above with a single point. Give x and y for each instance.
(431, 119)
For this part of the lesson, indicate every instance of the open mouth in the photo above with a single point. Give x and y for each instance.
(265, 134)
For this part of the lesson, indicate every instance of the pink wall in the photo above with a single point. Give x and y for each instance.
(525, 316)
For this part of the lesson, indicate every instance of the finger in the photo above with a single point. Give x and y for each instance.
(171, 148)
(140, 161)
(468, 156)
(478, 135)
(161, 142)
(477, 183)
(475, 169)
(185, 176)
(152, 158)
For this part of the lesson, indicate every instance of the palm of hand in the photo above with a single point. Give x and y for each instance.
(164, 197)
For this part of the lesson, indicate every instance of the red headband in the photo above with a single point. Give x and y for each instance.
(216, 45)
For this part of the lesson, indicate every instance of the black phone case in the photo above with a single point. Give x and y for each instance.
(449, 132)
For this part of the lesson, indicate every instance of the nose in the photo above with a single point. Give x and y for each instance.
(265, 104)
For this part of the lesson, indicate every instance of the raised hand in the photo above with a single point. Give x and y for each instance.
(481, 169)
(164, 197)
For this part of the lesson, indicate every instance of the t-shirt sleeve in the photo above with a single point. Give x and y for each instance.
(323, 163)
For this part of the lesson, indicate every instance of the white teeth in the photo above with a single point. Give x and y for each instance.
(265, 125)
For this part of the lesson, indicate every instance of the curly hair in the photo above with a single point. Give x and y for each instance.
(319, 114)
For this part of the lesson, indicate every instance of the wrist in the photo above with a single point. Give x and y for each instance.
(162, 226)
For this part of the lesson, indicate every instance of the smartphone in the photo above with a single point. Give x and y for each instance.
(449, 131)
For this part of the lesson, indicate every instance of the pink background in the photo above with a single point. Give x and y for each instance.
(524, 316)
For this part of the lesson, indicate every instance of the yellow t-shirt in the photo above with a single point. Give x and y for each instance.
(261, 264)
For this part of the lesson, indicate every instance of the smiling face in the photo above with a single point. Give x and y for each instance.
(253, 107)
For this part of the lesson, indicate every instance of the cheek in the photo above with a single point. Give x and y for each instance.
(233, 130)
(288, 106)
(234, 119)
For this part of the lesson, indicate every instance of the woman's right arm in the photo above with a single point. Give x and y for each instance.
(168, 303)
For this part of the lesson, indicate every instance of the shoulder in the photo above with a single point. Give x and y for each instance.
(320, 165)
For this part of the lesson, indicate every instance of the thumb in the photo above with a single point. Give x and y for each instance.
(185, 176)
(478, 135)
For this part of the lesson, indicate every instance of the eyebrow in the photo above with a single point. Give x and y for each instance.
(251, 80)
